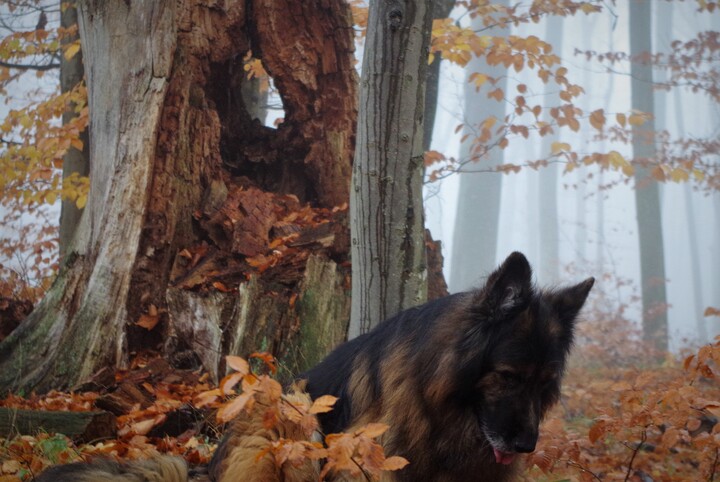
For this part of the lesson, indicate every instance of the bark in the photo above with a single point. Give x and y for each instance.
(388, 242)
(174, 154)
(71, 73)
(647, 197)
(437, 286)
(478, 212)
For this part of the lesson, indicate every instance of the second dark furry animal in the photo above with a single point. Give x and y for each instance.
(462, 381)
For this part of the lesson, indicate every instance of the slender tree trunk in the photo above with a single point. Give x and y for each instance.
(478, 212)
(437, 285)
(694, 245)
(255, 98)
(170, 138)
(695, 266)
(388, 247)
(440, 9)
(549, 260)
(647, 196)
(715, 267)
(581, 226)
(71, 73)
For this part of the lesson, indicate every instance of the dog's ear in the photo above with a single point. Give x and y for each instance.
(508, 290)
(568, 302)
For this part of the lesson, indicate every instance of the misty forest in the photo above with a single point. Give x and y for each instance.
(202, 198)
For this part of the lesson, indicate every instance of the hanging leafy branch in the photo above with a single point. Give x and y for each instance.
(690, 64)
(33, 141)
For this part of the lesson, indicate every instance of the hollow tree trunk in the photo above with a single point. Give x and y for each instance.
(179, 170)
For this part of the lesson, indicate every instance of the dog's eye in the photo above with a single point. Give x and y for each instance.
(510, 378)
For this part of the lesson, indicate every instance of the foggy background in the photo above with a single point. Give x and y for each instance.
(596, 233)
(597, 227)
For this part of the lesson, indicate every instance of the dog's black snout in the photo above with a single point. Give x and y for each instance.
(525, 443)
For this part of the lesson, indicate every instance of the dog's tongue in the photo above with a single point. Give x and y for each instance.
(503, 457)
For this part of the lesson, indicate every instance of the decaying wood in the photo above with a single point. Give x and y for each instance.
(437, 286)
(12, 312)
(126, 398)
(82, 426)
(318, 82)
(180, 421)
(265, 316)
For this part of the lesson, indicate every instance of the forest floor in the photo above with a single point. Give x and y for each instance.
(626, 413)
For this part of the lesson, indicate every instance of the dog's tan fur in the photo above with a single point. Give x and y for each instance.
(160, 469)
(246, 449)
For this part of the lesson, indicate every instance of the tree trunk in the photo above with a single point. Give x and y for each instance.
(694, 243)
(548, 271)
(647, 197)
(187, 190)
(388, 242)
(255, 98)
(478, 212)
(440, 9)
(695, 267)
(71, 74)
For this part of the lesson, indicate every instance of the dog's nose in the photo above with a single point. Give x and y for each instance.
(525, 443)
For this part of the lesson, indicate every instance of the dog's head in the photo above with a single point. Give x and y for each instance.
(512, 355)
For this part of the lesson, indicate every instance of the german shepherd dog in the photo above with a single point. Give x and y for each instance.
(462, 381)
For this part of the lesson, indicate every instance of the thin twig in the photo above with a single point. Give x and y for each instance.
(643, 438)
(572, 463)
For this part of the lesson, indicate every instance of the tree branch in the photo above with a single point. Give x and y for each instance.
(9, 143)
(46, 67)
